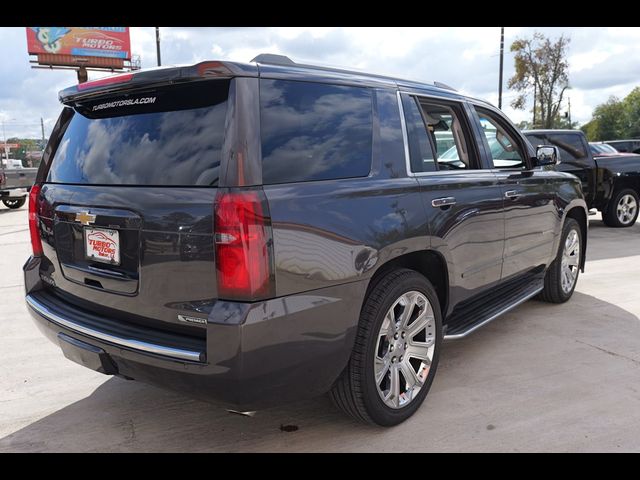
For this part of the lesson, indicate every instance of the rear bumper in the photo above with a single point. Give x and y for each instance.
(255, 354)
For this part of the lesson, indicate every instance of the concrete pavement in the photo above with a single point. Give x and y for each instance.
(541, 378)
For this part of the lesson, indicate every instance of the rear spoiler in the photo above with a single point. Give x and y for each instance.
(154, 78)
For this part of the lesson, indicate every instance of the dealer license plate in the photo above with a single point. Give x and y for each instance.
(102, 245)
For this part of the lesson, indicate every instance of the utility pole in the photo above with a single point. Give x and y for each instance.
(4, 141)
(158, 45)
(570, 124)
(42, 127)
(535, 91)
(501, 65)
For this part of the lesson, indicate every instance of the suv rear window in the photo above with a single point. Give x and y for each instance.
(170, 136)
(571, 146)
(314, 131)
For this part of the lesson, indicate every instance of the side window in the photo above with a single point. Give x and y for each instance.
(571, 147)
(445, 131)
(503, 148)
(314, 131)
(420, 150)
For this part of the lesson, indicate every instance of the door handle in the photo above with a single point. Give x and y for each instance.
(443, 202)
(512, 194)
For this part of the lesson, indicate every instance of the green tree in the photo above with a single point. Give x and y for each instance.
(609, 121)
(631, 106)
(615, 119)
(562, 121)
(590, 130)
(541, 71)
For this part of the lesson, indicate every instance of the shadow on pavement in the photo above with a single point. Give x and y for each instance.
(529, 342)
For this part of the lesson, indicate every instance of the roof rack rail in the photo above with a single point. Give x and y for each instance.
(276, 59)
(273, 59)
(444, 85)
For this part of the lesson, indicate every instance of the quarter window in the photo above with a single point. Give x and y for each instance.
(314, 131)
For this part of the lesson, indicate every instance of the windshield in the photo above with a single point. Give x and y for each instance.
(597, 148)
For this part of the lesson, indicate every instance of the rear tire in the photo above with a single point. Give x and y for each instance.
(398, 341)
(14, 202)
(562, 276)
(622, 210)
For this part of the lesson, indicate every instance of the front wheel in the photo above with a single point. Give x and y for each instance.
(562, 276)
(396, 352)
(14, 202)
(622, 210)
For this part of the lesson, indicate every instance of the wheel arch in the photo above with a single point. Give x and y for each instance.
(579, 214)
(626, 180)
(429, 263)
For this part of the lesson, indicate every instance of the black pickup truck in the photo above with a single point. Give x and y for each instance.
(611, 183)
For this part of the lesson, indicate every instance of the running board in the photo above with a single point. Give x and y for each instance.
(482, 316)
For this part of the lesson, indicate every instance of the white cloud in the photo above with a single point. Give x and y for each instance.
(602, 61)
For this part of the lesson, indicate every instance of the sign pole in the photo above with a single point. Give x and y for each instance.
(83, 76)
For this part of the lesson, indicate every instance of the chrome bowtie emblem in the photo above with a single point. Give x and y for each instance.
(85, 218)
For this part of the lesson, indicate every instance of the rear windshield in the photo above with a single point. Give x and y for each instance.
(571, 146)
(170, 136)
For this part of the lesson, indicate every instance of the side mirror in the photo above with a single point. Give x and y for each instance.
(547, 155)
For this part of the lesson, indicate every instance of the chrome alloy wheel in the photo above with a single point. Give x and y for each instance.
(626, 209)
(570, 261)
(404, 349)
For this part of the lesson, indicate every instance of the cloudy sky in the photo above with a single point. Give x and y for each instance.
(602, 61)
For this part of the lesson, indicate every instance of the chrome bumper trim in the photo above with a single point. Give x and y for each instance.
(138, 345)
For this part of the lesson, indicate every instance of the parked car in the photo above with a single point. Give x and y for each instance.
(15, 182)
(611, 184)
(266, 232)
(630, 146)
(601, 149)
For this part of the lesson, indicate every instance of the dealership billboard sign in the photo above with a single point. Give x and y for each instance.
(112, 42)
(101, 47)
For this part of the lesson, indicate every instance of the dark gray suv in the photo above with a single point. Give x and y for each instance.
(265, 232)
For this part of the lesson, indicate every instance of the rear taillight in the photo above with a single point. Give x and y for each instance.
(243, 245)
(36, 242)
